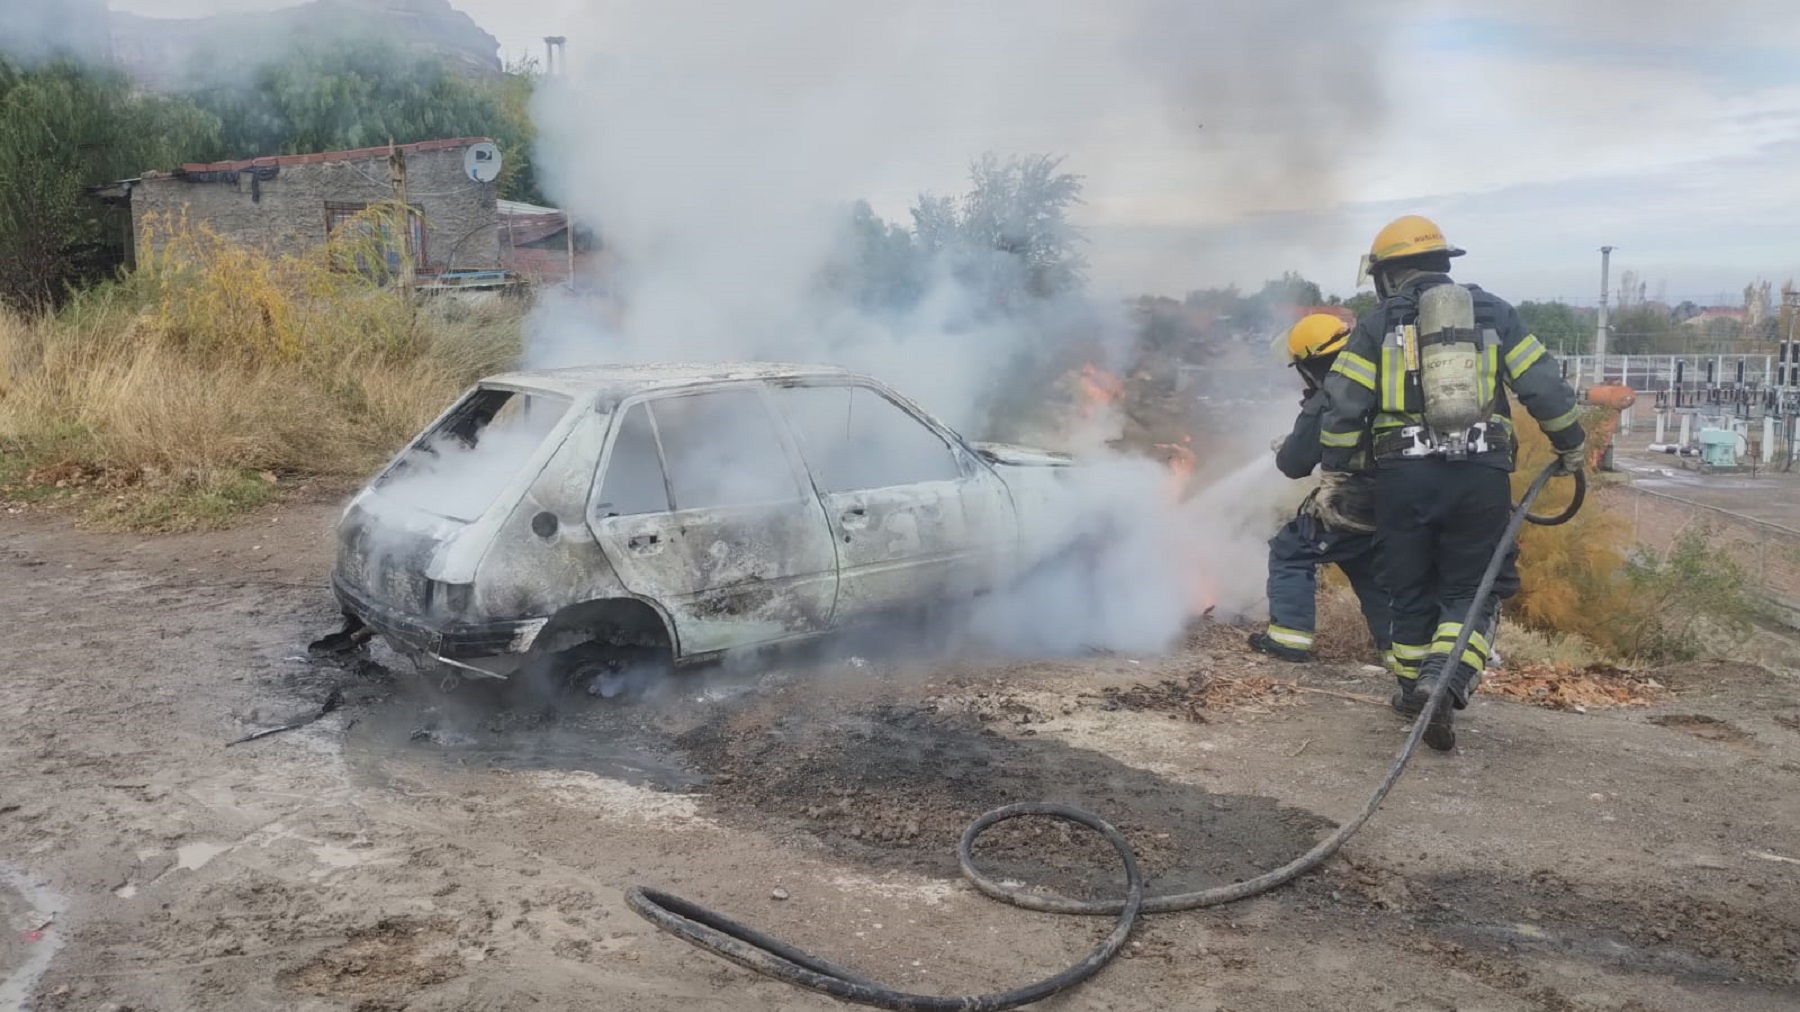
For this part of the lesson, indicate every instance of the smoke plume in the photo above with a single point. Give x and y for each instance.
(718, 147)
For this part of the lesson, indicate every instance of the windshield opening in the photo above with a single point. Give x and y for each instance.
(457, 469)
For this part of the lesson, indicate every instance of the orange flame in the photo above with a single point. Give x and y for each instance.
(1098, 388)
(1180, 462)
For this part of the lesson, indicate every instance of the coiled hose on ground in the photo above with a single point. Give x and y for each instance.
(757, 951)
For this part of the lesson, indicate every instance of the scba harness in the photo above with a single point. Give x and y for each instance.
(1440, 390)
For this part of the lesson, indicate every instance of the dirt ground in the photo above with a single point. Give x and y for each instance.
(416, 851)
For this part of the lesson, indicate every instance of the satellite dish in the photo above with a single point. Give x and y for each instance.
(482, 162)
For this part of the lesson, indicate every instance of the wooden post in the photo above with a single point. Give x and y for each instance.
(397, 176)
(569, 235)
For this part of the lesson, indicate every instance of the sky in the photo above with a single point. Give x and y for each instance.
(1227, 142)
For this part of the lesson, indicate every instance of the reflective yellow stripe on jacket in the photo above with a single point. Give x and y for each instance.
(1393, 378)
(1562, 421)
(1354, 367)
(1524, 355)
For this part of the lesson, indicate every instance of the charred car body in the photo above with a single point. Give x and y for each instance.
(593, 518)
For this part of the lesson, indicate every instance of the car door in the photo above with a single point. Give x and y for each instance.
(702, 506)
(916, 517)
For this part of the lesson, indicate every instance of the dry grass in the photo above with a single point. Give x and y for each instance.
(179, 394)
(1519, 646)
(1341, 634)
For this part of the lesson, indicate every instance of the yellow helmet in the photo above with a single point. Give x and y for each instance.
(1406, 236)
(1316, 336)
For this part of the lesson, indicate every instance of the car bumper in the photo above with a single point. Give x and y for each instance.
(443, 640)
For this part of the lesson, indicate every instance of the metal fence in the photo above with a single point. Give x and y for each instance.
(1744, 386)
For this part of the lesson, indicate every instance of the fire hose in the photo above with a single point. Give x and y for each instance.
(755, 950)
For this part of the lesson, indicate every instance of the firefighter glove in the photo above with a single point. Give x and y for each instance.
(1572, 460)
(1279, 442)
(1332, 504)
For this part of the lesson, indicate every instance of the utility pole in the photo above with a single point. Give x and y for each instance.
(1600, 329)
(397, 177)
(1787, 376)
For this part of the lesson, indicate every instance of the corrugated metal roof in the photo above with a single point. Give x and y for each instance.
(333, 156)
(520, 207)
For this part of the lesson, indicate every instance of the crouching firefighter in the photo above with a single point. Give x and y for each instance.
(1336, 523)
(1425, 375)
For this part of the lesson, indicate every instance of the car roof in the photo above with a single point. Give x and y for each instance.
(582, 381)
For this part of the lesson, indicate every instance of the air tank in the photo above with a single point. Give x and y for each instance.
(1450, 365)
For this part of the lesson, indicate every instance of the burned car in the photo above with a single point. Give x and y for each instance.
(585, 520)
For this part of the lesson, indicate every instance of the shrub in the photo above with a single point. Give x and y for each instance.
(1571, 576)
(1690, 600)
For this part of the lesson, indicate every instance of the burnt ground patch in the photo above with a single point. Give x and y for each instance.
(894, 786)
(1661, 927)
(1704, 727)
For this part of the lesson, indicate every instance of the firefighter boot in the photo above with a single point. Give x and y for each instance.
(1440, 733)
(1262, 642)
(1409, 700)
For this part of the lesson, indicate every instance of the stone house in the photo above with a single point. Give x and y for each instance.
(291, 203)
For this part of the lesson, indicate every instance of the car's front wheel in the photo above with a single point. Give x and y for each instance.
(605, 670)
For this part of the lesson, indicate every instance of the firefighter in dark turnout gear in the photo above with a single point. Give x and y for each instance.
(1336, 523)
(1425, 376)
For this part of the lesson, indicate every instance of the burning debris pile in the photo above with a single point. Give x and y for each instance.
(1143, 408)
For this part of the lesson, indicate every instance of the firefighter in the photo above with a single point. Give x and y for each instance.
(1344, 534)
(1424, 378)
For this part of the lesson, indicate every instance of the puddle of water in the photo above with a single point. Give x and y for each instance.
(31, 939)
(601, 794)
(196, 856)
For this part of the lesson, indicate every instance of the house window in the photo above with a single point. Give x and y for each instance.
(342, 222)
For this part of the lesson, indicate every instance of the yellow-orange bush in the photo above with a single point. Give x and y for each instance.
(1573, 576)
(213, 360)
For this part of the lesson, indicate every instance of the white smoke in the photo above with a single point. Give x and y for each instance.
(717, 147)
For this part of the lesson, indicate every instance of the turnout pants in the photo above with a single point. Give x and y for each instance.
(1437, 525)
(1295, 554)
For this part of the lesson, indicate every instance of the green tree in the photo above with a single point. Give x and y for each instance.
(1290, 290)
(65, 127)
(346, 93)
(1645, 330)
(1563, 328)
(1361, 303)
(1016, 237)
(876, 266)
(516, 133)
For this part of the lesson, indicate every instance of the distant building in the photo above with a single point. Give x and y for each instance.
(536, 243)
(291, 203)
(1711, 313)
